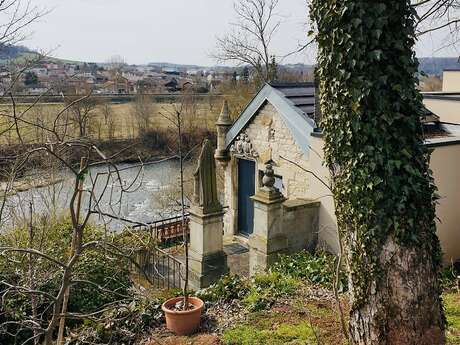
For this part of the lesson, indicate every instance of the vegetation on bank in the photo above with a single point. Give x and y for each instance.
(126, 131)
(101, 281)
(292, 303)
(101, 120)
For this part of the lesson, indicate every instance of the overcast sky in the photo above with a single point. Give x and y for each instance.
(179, 31)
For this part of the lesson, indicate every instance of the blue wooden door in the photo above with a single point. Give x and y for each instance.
(246, 189)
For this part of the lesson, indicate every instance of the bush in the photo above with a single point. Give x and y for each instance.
(124, 324)
(256, 294)
(109, 282)
(99, 278)
(228, 288)
(318, 268)
(282, 279)
(266, 288)
(154, 139)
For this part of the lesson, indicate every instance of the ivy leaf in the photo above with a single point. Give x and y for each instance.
(380, 8)
(356, 22)
(376, 54)
(355, 106)
(377, 33)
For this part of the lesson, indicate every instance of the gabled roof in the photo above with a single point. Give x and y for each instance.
(295, 103)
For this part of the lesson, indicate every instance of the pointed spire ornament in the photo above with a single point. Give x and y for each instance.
(224, 117)
(223, 124)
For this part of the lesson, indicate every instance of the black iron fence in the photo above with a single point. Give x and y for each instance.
(160, 268)
(168, 231)
(162, 265)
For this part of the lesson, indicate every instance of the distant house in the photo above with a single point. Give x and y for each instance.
(120, 85)
(81, 85)
(172, 85)
(279, 127)
(147, 85)
(170, 71)
(39, 71)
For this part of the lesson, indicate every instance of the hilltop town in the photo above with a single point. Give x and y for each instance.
(56, 76)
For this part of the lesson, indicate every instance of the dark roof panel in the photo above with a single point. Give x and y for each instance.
(302, 100)
(302, 95)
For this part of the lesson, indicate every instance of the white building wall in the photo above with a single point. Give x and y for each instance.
(445, 164)
(451, 81)
(447, 109)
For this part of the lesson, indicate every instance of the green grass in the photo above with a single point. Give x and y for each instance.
(452, 308)
(301, 333)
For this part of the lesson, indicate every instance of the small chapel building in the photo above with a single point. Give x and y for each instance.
(278, 133)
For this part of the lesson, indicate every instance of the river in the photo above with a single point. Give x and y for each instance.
(141, 194)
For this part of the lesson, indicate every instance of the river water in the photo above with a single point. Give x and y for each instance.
(140, 194)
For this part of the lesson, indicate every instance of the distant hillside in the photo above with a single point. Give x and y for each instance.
(299, 67)
(184, 68)
(21, 54)
(435, 66)
(12, 52)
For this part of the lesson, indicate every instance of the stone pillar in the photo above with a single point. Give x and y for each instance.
(268, 239)
(207, 260)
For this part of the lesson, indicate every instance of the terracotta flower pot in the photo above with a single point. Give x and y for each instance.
(183, 322)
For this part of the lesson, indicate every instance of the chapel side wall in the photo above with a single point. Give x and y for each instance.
(447, 110)
(327, 227)
(451, 81)
(271, 138)
(445, 164)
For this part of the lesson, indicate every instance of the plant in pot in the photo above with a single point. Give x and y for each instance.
(183, 314)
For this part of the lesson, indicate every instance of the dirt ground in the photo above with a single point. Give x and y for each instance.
(309, 317)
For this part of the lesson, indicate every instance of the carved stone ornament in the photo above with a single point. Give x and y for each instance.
(268, 180)
(243, 147)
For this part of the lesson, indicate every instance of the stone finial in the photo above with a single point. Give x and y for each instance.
(205, 186)
(268, 181)
(268, 193)
(224, 117)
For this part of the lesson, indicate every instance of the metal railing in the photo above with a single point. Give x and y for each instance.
(160, 268)
(168, 231)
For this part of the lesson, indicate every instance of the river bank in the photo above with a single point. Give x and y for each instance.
(153, 145)
(139, 193)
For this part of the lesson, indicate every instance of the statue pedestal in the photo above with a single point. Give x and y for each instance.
(207, 260)
(268, 239)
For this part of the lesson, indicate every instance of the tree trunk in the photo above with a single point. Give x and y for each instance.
(382, 185)
(403, 306)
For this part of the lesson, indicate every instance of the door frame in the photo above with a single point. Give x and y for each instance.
(237, 191)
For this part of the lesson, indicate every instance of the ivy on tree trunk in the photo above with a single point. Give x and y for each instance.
(382, 184)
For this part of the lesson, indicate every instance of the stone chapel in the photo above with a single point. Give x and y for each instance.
(277, 197)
